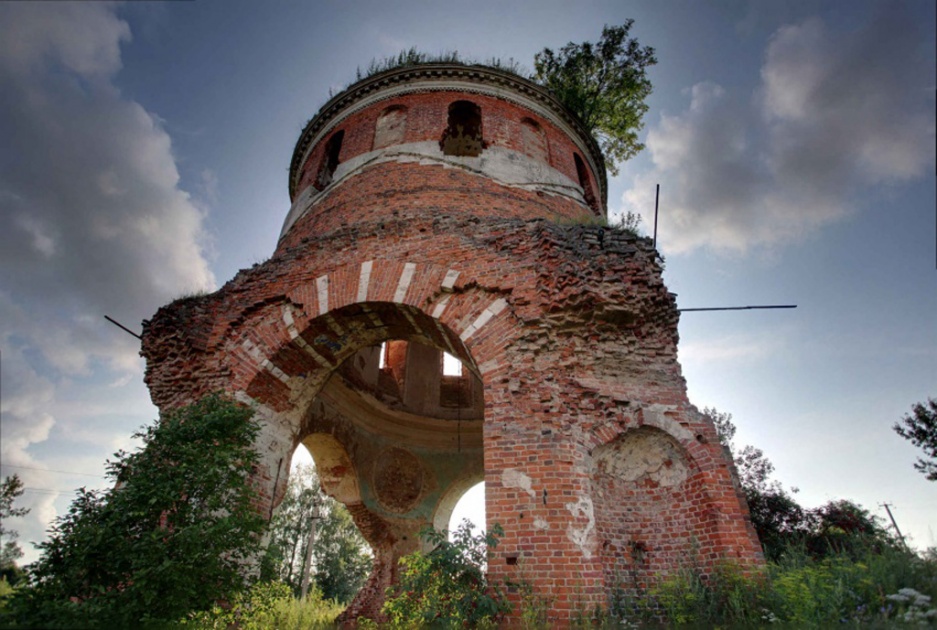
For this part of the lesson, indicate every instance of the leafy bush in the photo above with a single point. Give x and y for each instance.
(172, 536)
(447, 587)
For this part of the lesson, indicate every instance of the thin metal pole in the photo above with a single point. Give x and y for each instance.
(122, 327)
(656, 205)
(900, 535)
(734, 308)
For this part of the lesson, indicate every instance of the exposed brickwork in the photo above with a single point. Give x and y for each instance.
(601, 473)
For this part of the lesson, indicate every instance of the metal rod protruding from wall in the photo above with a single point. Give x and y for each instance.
(656, 205)
(122, 327)
(734, 308)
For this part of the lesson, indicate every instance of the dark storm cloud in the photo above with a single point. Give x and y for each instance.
(833, 114)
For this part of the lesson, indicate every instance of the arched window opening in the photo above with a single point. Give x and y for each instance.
(470, 507)
(586, 183)
(329, 160)
(390, 127)
(534, 140)
(463, 135)
(313, 542)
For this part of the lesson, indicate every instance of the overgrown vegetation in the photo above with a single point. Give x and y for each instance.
(413, 57)
(10, 490)
(172, 536)
(269, 605)
(448, 586)
(604, 84)
(868, 587)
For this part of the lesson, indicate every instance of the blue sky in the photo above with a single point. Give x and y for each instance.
(145, 149)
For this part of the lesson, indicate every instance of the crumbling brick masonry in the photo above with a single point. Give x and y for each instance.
(449, 209)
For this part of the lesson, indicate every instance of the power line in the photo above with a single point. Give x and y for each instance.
(64, 472)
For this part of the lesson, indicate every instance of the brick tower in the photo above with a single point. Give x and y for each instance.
(454, 209)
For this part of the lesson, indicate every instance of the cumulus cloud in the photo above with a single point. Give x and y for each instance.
(93, 220)
(833, 113)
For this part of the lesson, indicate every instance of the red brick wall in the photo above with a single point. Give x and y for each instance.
(569, 327)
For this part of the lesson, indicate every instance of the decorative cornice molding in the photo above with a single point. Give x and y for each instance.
(432, 77)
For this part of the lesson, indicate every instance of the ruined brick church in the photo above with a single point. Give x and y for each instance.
(452, 209)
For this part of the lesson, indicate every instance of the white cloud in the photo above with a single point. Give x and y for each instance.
(92, 222)
(833, 114)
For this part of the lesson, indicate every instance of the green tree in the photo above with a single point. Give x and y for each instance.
(777, 518)
(10, 489)
(342, 556)
(606, 85)
(781, 523)
(920, 427)
(447, 587)
(174, 534)
(339, 559)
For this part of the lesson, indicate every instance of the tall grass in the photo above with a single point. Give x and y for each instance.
(270, 605)
(870, 587)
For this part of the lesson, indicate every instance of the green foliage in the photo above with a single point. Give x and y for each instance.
(630, 222)
(10, 489)
(269, 605)
(921, 429)
(447, 587)
(172, 536)
(781, 523)
(340, 561)
(867, 587)
(606, 85)
(413, 57)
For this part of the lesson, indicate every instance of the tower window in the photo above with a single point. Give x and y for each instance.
(463, 135)
(534, 140)
(390, 127)
(586, 184)
(329, 160)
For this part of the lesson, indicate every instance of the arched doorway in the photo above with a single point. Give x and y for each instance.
(394, 428)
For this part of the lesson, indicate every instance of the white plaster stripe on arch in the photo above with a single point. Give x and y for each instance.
(441, 306)
(263, 361)
(364, 278)
(322, 288)
(261, 409)
(294, 335)
(449, 281)
(493, 309)
(288, 319)
(405, 279)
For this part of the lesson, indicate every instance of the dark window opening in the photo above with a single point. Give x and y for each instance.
(586, 184)
(329, 160)
(463, 135)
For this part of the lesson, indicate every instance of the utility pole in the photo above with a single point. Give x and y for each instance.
(307, 563)
(894, 524)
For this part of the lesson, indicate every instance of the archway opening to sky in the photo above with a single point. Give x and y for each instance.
(470, 507)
